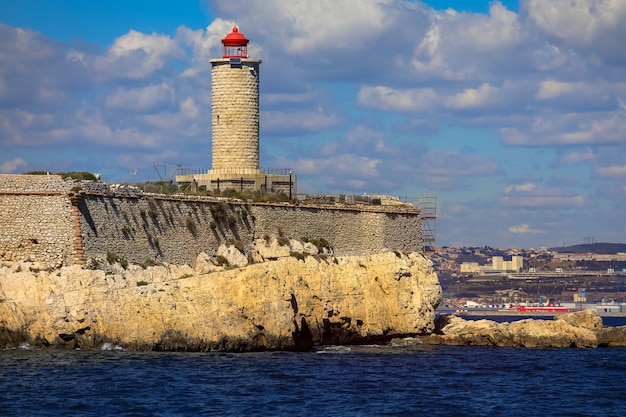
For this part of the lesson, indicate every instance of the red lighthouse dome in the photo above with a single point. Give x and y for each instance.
(235, 45)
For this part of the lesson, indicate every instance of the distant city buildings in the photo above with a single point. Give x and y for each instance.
(498, 264)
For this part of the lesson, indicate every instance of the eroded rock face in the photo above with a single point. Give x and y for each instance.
(579, 329)
(287, 303)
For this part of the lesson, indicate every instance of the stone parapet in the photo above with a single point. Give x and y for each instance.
(26, 184)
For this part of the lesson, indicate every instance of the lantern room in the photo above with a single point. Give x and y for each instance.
(235, 45)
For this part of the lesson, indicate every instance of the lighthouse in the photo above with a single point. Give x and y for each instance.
(235, 107)
(235, 125)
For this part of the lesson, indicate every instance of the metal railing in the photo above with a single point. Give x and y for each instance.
(266, 171)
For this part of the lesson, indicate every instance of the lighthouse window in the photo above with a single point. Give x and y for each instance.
(236, 51)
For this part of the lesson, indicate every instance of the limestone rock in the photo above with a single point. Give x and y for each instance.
(523, 333)
(289, 304)
(270, 248)
(233, 255)
(586, 319)
(204, 264)
(612, 336)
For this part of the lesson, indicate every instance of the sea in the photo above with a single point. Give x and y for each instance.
(398, 379)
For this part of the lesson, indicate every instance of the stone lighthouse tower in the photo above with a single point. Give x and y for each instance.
(235, 127)
(235, 98)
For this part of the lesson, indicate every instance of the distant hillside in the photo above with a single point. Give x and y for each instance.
(605, 248)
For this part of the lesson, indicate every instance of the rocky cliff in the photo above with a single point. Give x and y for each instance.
(275, 299)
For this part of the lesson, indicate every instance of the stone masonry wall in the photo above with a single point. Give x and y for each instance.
(42, 219)
(36, 220)
(350, 231)
(235, 119)
(174, 230)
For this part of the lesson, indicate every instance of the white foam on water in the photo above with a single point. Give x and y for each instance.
(110, 346)
(334, 349)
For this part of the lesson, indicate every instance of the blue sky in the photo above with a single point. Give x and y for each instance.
(512, 113)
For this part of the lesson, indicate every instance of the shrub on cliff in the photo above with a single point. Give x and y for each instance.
(75, 175)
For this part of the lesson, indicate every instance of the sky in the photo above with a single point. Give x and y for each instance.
(512, 113)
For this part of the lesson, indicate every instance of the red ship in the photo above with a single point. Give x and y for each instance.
(550, 308)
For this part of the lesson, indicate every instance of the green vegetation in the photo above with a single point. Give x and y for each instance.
(142, 283)
(159, 187)
(191, 225)
(149, 262)
(221, 261)
(298, 255)
(255, 196)
(113, 258)
(320, 243)
(232, 220)
(218, 211)
(75, 175)
(238, 244)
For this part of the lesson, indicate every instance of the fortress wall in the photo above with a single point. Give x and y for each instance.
(159, 228)
(349, 231)
(39, 217)
(36, 220)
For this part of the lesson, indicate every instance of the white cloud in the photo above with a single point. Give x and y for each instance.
(551, 89)
(141, 99)
(524, 229)
(519, 187)
(591, 25)
(389, 99)
(574, 157)
(462, 46)
(137, 55)
(569, 129)
(305, 27)
(532, 196)
(345, 164)
(12, 165)
(485, 95)
(613, 171)
(189, 108)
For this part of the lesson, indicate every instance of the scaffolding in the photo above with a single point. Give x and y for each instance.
(428, 207)
(165, 172)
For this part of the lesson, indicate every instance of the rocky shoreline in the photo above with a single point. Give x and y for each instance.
(282, 297)
(582, 329)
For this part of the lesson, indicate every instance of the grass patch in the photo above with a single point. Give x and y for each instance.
(298, 255)
(221, 261)
(238, 244)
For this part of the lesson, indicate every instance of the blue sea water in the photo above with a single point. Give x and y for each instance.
(389, 380)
